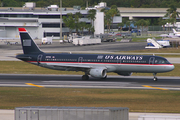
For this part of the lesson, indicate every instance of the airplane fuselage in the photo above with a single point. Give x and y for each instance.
(113, 63)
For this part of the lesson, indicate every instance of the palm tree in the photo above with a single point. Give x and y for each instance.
(77, 16)
(120, 25)
(116, 9)
(69, 22)
(92, 15)
(162, 22)
(138, 24)
(88, 27)
(171, 21)
(141, 23)
(82, 26)
(172, 13)
(108, 20)
(113, 13)
(128, 24)
(147, 23)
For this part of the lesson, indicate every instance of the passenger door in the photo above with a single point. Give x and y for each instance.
(151, 60)
(39, 58)
(80, 59)
(118, 61)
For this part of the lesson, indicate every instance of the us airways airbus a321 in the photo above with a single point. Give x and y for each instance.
(95, 65)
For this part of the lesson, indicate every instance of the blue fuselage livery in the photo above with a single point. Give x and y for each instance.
(96, 65)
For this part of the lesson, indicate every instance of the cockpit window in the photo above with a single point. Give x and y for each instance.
(161, 61)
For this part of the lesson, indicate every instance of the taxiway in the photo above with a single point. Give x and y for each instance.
(74, 81)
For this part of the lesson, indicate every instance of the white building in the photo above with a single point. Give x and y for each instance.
(39, 22)
(99, 23)
(42, 22)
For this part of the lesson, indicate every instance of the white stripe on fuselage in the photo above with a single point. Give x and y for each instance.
(116, 67)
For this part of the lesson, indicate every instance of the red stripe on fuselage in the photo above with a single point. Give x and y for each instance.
(101, 63)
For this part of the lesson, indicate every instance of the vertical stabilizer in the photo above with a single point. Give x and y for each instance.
(28, 45)
(174, 31)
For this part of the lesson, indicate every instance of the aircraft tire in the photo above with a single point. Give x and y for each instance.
(155, 79)
(85, 77)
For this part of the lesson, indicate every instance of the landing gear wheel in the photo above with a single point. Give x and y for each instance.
(85, 77)
(155, 79)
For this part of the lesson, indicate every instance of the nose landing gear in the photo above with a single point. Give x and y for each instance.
(155, 78)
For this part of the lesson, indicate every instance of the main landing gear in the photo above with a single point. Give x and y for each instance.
(155, 78)
(85, 77)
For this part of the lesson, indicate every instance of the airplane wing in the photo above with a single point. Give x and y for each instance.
(78, 67)
(164, 35)
(73, 66)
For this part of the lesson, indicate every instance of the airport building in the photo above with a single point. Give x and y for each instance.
(42, 22)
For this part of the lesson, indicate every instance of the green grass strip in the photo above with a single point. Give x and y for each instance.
(135, 100)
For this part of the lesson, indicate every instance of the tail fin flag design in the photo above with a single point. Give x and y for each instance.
(28, 45)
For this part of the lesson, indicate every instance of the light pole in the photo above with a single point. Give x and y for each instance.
(60, 19)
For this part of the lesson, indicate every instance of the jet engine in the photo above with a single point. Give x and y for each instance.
(98, 73)
(125, 73)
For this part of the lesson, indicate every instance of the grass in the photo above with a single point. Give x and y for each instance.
(135, 100)
(140, 38)
(19, 67)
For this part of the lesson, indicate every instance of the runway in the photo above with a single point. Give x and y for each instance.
(74, 81)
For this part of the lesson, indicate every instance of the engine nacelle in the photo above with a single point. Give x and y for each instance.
(125, 73)
(98, 73)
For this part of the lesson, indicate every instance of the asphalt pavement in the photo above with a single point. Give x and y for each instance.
(8, 52)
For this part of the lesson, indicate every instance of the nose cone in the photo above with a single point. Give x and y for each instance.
(171, 67)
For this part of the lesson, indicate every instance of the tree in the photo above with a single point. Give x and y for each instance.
(143, 23)
(162, 22)
(116, 9)
(82, 26)
(77, 24)
(108, 19)
(137, 23)
(91, 15)
(88, 27)
(41, 4)
(171, 21)
(128, 24)
(120, 26)
(69, 21)
(11, 3)
(147, 23)
(172, 13)
(92, 29)
(113, 12)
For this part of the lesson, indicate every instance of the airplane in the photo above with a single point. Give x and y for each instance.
(95, 65)
(176, 33)
(170, 35)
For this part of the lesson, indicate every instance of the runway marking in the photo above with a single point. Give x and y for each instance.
(154, 87)
(33, 85)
